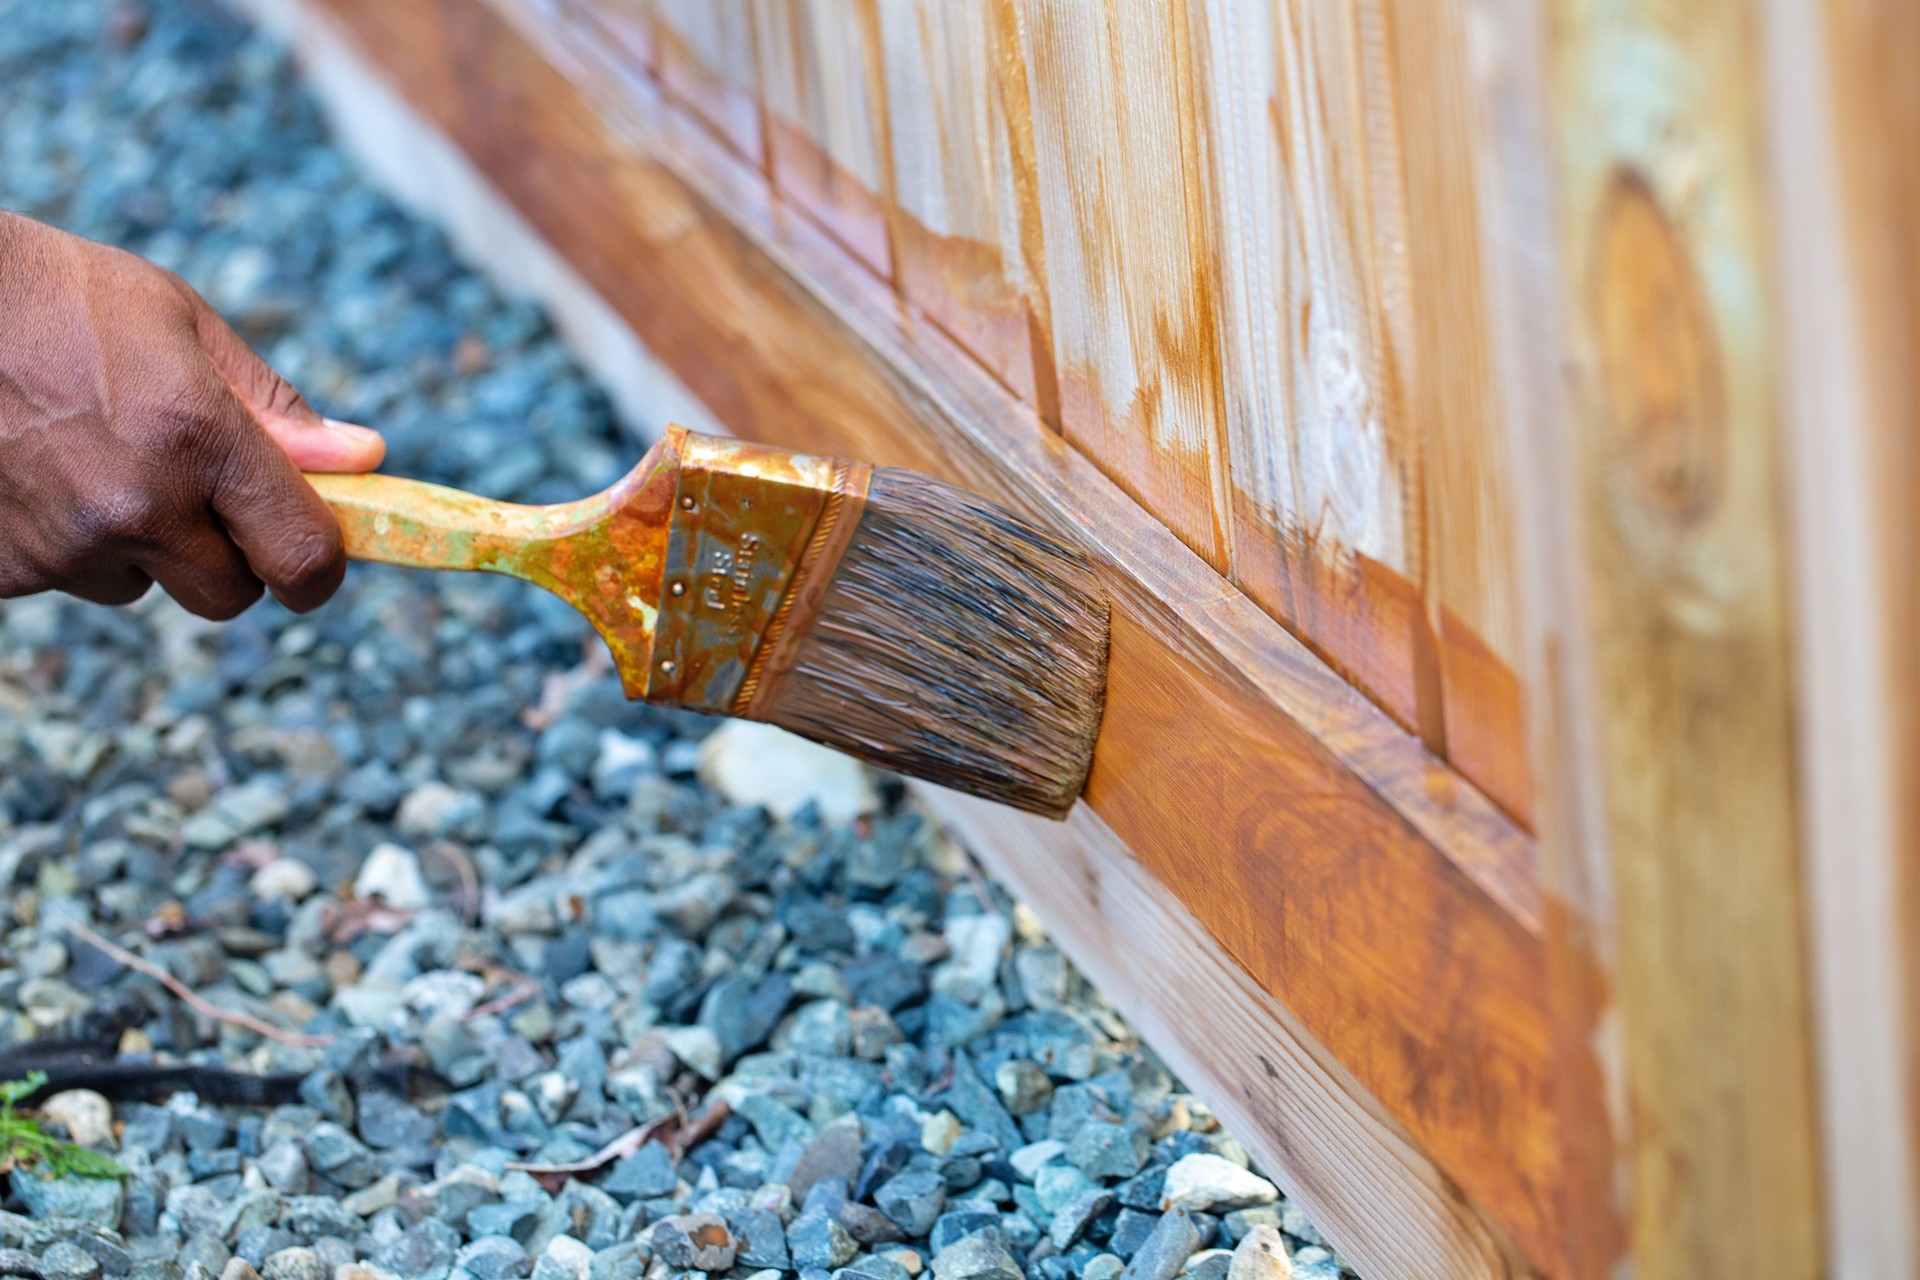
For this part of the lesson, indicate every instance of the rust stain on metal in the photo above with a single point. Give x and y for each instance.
(738, 550)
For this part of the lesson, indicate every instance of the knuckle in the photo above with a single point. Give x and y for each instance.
(187, 427)
(136, 515)
(311, 563)
(282, 397)
(226, 601)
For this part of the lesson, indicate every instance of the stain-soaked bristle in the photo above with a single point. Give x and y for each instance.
(959, 644)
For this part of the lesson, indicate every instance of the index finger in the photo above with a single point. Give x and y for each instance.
(289, 536)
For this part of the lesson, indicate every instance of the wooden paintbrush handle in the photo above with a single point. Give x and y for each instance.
(425, 526)
(703, 567)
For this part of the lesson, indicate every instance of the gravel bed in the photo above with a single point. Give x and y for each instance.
(491, 913)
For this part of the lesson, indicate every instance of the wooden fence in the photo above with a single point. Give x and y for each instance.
(1498, 424)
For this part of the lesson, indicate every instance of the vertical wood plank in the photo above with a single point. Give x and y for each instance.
(960, 250)
(1309, 214)
(1128, 266)
(1671, 854)
(1845, 128)
(1466, 470)
(826, 118)
(705, 52)
(628, 25)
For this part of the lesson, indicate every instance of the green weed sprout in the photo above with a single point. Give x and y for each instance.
(22, 1142)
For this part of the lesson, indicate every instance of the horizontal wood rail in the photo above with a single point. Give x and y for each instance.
(1386, 914)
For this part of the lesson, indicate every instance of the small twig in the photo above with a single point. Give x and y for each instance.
(343, 922)
(469, 878)
(941, 1083)
(692, 1135)
(200, 1005)
(522, 989)
(558, 689)
(619, 1149)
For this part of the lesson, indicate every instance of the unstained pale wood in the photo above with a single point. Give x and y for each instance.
(960, 250)
(628, 26)
(1845, 128)
(1129, 271)
(1306, 202)
(1676, 901)
(824, 94)
(1471, 620)
(705, 50)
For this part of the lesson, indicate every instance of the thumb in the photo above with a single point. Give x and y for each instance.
(313, 443)
(323, 444)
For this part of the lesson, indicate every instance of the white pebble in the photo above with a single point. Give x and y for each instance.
(1035, 1156)
(751, 763)
(87, 1116)
(392, 874)
(1205, 1182)
(697, 1047)
(619, 753)
(976, 943)
(444, 993)
(1260, 1255)
(564, 1259)
(287, 878)
(939, 1131)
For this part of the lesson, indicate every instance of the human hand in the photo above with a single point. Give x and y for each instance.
(141, 441)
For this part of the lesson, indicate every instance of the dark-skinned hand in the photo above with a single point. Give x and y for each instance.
(141, 441)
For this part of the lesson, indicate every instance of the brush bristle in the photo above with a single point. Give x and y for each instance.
(958, 644)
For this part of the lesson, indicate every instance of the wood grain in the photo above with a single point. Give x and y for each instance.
(822, 86)
(961, 255)
(1469, 566)
(1129, 276)
(1363, 1179)
(1681, 865)
(1365, 886)
(628, 26)
(1845, 131)
(707, 60)
(1309, 231)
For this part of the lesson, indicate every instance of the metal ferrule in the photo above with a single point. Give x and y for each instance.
(754, 538)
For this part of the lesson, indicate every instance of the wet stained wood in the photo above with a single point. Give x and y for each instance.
(1675, 863)
(1359, 882)
(1129, 272)
(706, 57)
(962, 256)
(1307, 210)
(822, 86)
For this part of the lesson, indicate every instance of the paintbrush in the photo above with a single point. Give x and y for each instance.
(879, 611)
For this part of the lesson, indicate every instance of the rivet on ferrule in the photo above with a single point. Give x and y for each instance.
(746, 565)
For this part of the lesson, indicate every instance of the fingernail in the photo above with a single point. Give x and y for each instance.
(350, 428)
